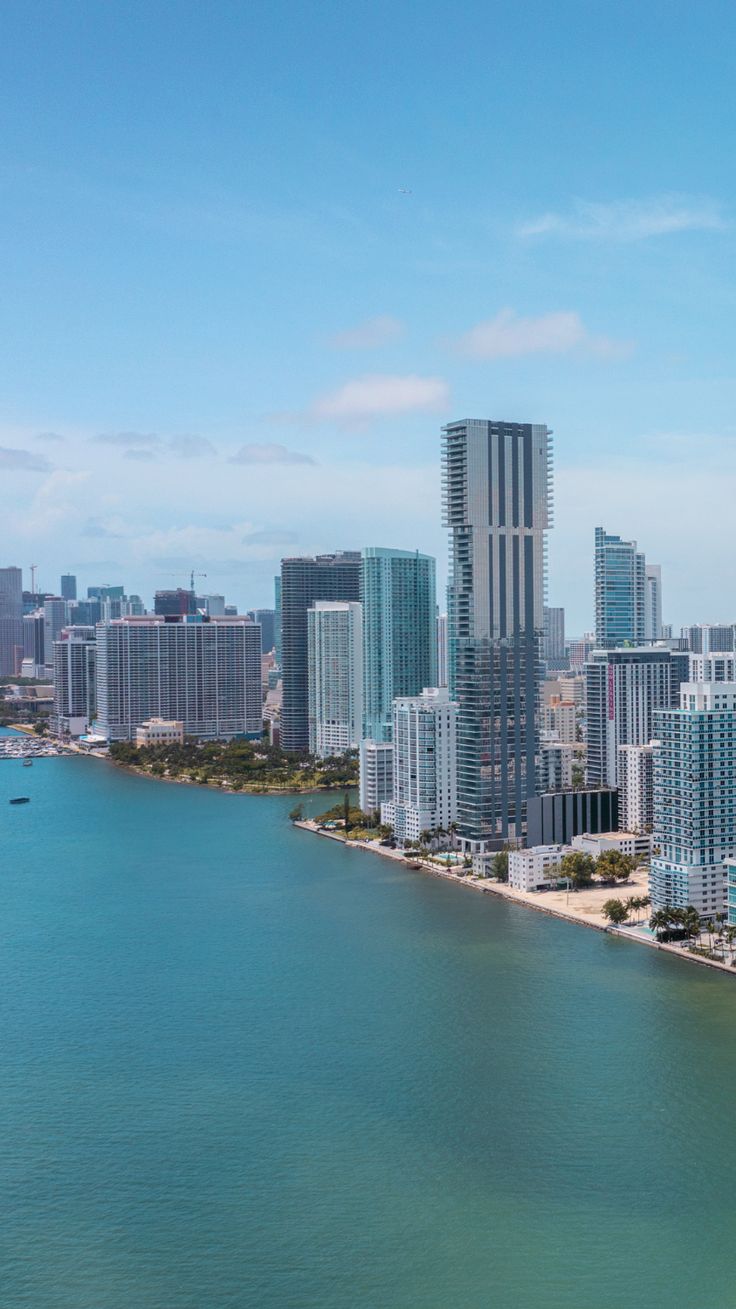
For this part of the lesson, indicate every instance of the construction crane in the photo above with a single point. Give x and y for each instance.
(191, 579)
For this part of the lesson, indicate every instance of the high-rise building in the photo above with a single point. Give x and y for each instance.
(694, 798)
(105, 592)
(335, 676)
(424, 765)
(556, 768)
(376, 775)
(553, 646)
(326, 577)
(653, 602)
(174, 604)
(204, 672)
(497, 505)
(636, 787)
(578, 652)
(213, 605)
(711, 667)
(75, 701)
(277, 618)
(267, 619)
(710, 638)
(623, 689)
(398, 592)
(11, 625)
(442, 665)
(55, 617)
(33, 641)
(620, 592)
(68, 586)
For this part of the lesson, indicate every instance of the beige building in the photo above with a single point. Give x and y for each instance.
(160, 731)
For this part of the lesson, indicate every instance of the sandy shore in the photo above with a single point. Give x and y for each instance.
(584, 907)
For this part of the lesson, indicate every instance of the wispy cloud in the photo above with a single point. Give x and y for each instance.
(271, 536)
(271, 453)
(146, 456)
(50, 437)
(191, 447)
(369, 335)
(509, 336)
(128, 440)
(629, 220)
(380, 395)
(94, 528)
(23, 461)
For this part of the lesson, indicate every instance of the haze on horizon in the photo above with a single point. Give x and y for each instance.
(254, 258)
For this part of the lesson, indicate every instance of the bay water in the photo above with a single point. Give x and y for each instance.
(243, 1066)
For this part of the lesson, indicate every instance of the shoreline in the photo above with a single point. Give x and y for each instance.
(526, 899)
(218, 786)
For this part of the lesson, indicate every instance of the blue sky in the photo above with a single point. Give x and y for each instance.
(227, 333)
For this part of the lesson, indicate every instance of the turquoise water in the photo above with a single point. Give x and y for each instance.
(241, 1066)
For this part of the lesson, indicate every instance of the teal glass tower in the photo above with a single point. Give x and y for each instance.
(398, 592)
(620, 592)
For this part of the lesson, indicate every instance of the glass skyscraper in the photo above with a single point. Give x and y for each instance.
(497, 503)
(620, 592)
(398, 591)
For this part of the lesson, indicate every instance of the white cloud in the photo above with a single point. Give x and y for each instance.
(369, 335)
(57, 501)
(629, 220)
(271, 453)
(23, 461)
(508, 336)
(379, 395)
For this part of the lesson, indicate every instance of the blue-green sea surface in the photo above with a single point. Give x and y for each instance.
(242, 1066)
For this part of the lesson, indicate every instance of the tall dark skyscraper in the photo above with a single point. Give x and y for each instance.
(327, 577)
(68, 586)
(497, 502)
(266, 617)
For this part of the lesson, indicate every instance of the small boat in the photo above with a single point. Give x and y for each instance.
(27, 763)
(21, 799)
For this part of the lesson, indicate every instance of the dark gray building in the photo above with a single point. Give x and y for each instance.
(174, 604)
(497, 503)
(554, 819)
(267, 619)
(11, 620)
(68, 586)
(326, 577)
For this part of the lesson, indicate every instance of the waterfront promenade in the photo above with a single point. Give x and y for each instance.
(584, 906)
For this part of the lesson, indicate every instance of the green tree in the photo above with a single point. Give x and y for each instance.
(578, 867)
(500, 866)
(614, 865)
(615, 911)
(297, 813)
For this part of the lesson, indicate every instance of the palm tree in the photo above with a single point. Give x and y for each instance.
(632, 903)
(660, 921)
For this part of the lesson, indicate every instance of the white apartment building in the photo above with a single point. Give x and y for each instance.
(623, 689)
(719, 667)
(74, 658)
(695, 798)
(538, 866)
(159, 731)
(560, 718)
(425, 764)
(376, 775)
(572, 689)
(335, 676)
(636, 787)
(203, 672)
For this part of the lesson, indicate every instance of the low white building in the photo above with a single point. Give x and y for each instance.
(530, 869)
(636, 787)
(376, 775)
(425, 765)
(160, 731)
(631, 843)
